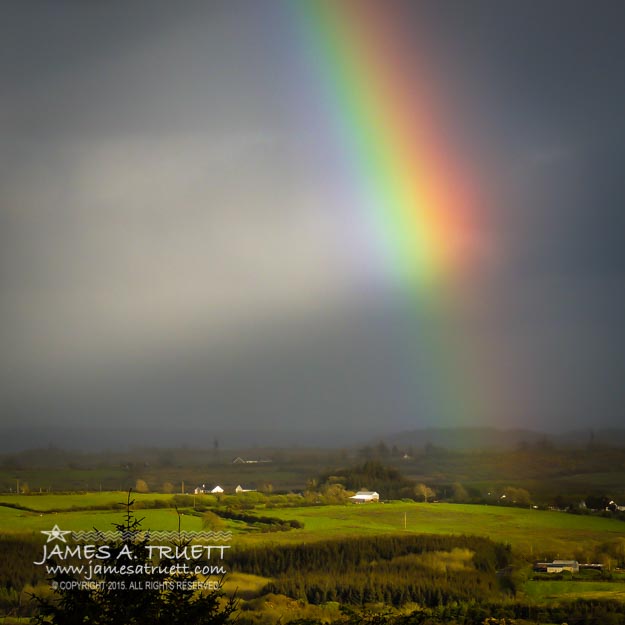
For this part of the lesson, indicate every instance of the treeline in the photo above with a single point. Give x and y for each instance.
(578, 612)
(372, 475)
(344, 554)
(386, 585)
(243, 501)
(262, 522)
(430, 569)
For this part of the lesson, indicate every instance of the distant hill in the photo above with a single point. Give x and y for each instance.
(611, 437)
(97, 438)
(494, 438)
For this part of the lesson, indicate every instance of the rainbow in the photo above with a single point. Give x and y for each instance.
(382, 110)
(413, 194)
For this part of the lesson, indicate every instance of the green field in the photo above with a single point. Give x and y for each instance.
(547, 592)
(529, 531)
(22, 522)
(78, 501)
(85, 492)
(532, 534)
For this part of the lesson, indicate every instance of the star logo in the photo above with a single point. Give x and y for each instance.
(56, 533)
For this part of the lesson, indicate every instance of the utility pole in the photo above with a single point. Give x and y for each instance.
(405, 515)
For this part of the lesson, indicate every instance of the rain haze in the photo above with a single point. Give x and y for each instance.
(183, 255)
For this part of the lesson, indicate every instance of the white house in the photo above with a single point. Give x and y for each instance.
(217, 490)
(240, 489)
(239, 460)
(365, 496)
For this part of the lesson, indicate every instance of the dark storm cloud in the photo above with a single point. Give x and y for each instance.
(173, 244)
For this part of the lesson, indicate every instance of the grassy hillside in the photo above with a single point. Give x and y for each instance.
(546, 592)
(529, 531)
(77, 501)
(23, 522)
(532, 534)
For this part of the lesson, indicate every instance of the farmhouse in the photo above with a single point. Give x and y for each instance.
(557, 566)
(239, 460)
(201, 490)
(365, 496)
(240, 489)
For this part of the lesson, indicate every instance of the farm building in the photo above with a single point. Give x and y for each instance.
(365, 496)
(240, 489)
(557, 566)
(200, 490)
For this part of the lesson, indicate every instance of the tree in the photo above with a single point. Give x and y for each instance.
(516, 496)
(421, 490)
(141, 486)
(460, 493)
(161, 595)
(335, 494)
(597, 502)
(382, 450)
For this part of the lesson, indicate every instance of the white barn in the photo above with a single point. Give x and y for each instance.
(365, 496)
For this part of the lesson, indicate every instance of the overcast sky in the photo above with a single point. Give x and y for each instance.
(176, 248)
